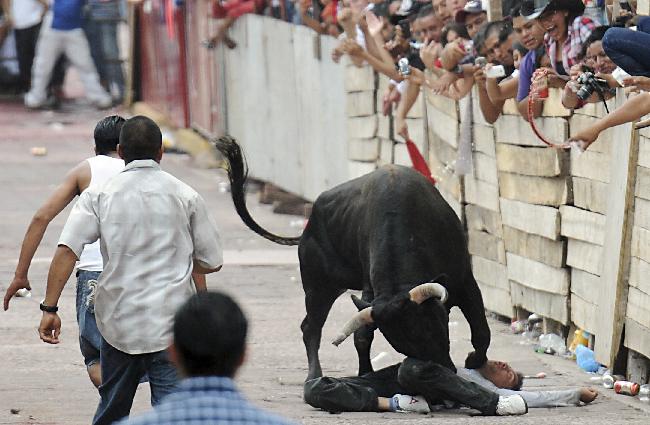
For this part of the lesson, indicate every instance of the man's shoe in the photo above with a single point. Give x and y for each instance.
(512, 405)
(409, 403)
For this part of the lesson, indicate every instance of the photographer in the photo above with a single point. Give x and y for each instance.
(507, 87)
(473, 16)
(585, 87)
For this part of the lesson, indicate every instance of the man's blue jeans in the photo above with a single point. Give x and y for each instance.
(629, 49)
(121, 374)
(102, 38)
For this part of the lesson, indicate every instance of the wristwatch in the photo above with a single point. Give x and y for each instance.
(48, 308)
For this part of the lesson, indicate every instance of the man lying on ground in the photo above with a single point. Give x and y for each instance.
(417, 386)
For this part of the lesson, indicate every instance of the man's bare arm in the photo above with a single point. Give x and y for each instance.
(74, 183)
(199, 269)
(199, 282)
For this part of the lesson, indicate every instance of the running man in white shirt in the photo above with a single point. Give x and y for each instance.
(90, 172)
(154, 231)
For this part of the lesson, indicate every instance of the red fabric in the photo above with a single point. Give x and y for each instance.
(419, 164)
(236, 8)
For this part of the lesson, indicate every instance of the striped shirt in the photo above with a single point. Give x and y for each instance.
(206, 400)
(152, 226)
(578, 32)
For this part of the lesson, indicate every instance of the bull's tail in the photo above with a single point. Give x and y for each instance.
(237, 174)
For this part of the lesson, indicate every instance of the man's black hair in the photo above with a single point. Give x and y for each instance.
(456, 27)
(107, 134)
(140, 138)
(519, 383)
(210, 335)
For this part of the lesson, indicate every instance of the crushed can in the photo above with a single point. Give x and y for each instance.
(609, 380)
(626, 388)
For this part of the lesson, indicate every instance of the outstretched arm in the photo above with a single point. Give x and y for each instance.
(75, 181)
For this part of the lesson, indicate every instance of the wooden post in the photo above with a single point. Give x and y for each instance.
(616, 250)
(494, 10)
(643, 7)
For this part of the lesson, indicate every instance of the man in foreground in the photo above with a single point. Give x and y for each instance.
(208, 349)
(155, 230)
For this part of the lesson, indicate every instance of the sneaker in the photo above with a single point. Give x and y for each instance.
(511, 405)
(409, 403)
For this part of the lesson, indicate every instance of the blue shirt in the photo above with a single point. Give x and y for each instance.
(206, 400)
(67, 14)
(526, 69)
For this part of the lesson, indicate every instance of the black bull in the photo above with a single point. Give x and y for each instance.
(382, 233)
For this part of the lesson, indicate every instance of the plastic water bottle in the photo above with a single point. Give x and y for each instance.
(585, 359)
(553, 342)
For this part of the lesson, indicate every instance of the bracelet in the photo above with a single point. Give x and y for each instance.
(48, 308)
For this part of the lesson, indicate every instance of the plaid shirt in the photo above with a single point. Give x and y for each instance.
(206, 400)
(578, 31)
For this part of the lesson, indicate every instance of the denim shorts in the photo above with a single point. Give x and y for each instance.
(89, 337)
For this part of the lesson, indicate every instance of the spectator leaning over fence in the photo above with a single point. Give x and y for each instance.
(155, 231)
(441, 10)
(61, 34)
(102, 18)
(596, 62)
(531, 35)
(26, 17)
(506, 88)
(566, 29)
(629, 49)
(634, 108)
(473, 16)
(208, 348)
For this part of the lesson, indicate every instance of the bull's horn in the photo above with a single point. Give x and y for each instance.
(359, 303)
(423, 292)
(358, 320)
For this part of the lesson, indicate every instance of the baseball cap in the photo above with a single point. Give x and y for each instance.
(471, 7)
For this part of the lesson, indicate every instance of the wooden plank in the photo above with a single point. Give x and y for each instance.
(536, 219)
(590, 194)
(644, 151)
(482, 219)
(485, 168)
(486, 245)
(359, 79)
(585, 256)
(637, 337)
(445, 127)
(496, 300)
(539, 276)
(490, 273)
(642, 188)
(442, 151)
(638, 306)
(454, 203)
(441, 105)
(543, 303)
(514, 130)
(583, 313)
(532, 161)
(616, 251)
(639, 272)
(551, 191)
(585, 285)
(535, 247)
(358, 169)
(360, 104)
(365, 150)
(362, 127)
(641, 243)
(578, 123)
(642, 213)
(582, 225)
(481, 193)
(591, 165)
(484, 139)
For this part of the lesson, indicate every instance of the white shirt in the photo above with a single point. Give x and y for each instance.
(26, 13)
(102, 168)
(556, 398)
(151, 226)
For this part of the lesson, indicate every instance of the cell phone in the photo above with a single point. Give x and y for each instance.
(497, 71)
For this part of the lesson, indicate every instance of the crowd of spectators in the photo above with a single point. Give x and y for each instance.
(586, 49)
(40, 38)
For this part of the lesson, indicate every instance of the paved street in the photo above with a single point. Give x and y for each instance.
(44, 384)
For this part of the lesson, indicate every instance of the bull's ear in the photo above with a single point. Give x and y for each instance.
(359, 303)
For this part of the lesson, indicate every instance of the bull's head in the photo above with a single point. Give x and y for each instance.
(415, 323)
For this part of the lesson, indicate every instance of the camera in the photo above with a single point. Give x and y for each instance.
(497, 71)
(403, 65)
(589, 84)
(468, 46)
